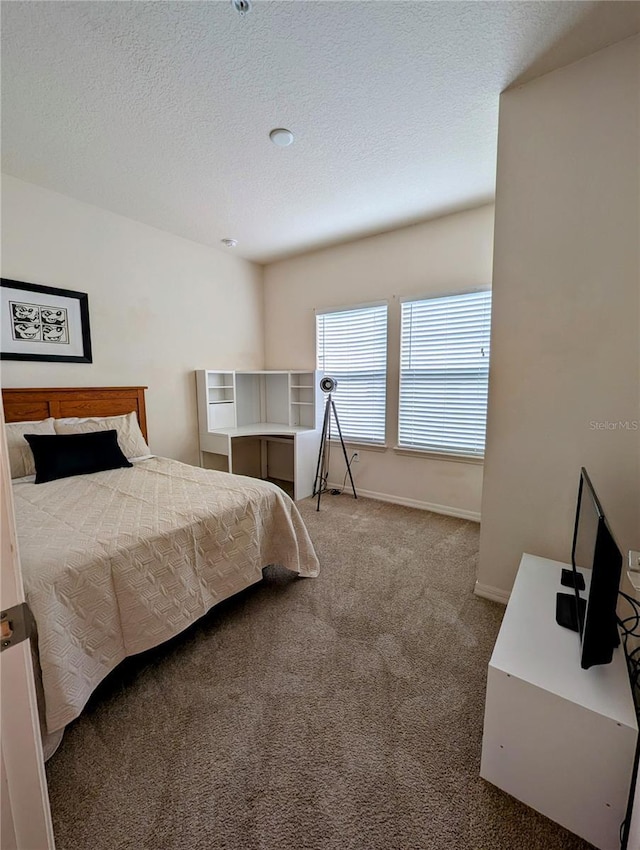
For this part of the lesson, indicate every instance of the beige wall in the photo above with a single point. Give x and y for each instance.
(566, 311)
(160, 306)
(446, 255)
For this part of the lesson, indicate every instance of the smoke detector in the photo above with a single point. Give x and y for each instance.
(242, 7)
(281, 137)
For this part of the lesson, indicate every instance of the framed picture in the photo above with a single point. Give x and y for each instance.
(43, 323)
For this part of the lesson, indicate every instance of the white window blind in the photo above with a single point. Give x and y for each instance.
(444, 373)
(351, 347)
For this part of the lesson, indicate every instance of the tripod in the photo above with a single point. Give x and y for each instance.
(322, 469)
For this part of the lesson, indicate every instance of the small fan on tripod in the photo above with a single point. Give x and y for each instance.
(329, 385)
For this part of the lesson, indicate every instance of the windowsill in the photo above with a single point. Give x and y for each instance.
(372, 447)
(430, 455)
(402, 450)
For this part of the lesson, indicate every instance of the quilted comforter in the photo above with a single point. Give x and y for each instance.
(117, 562)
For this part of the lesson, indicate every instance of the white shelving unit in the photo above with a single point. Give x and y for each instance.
(265, 423)
(559, 738)
(220, 399)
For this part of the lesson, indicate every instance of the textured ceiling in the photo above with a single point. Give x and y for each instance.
(161, 111)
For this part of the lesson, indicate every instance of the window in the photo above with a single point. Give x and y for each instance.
(444, 374)
(351, 347)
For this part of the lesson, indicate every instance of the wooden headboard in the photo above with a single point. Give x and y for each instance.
(25, 405)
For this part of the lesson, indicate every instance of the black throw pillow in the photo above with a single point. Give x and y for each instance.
(64, 455)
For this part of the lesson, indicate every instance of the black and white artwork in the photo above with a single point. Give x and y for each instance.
(44, 323)
(33, 322)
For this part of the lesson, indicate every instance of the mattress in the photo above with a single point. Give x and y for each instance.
(117, 562)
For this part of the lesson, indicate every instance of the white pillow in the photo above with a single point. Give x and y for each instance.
(130, 438)
(20, 454)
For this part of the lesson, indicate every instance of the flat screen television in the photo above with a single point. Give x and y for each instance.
(593, 549)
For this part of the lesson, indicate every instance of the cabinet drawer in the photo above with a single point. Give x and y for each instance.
(222, 414)
(216, 443)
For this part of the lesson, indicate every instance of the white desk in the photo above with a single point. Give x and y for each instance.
(281, 409)
(559, 738)
(304, 442)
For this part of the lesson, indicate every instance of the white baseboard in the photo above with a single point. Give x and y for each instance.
(495, 594)
(474, 516)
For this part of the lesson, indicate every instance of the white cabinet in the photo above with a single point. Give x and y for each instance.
(559, 738)
(264, 423)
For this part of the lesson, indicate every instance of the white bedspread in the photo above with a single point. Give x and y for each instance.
(117, 562)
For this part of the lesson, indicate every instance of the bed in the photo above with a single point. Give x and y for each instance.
(119, 561)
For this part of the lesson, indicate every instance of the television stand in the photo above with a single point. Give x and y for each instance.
(556, 737)
(570, 611)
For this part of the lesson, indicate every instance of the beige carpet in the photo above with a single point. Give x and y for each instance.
(338, 713)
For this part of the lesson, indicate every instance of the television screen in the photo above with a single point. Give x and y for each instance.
(593, 549)
(585, 533)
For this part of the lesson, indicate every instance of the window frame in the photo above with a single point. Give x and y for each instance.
(432, 452)
(373, 445)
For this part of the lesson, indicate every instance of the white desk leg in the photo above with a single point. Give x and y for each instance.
(264, 458)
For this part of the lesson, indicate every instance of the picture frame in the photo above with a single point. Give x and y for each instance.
(43, 323)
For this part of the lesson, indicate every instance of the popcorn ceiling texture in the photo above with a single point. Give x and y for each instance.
(342, 713)
(161, 111)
